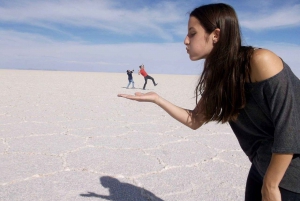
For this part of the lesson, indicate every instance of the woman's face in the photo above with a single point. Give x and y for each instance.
(198, 43)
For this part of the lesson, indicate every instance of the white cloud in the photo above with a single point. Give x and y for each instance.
(32, 52)
(110, 15)
(101, 14)
(288, 16)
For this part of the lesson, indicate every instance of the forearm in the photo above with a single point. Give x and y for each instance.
(276, 170)
(184, 116)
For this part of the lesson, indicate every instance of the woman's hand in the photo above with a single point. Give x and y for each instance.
(142, 97)
(270, 194)
(184, 116)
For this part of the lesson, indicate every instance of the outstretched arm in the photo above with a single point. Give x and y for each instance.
(185, 116)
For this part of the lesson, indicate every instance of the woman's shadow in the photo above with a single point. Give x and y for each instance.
(122, 191)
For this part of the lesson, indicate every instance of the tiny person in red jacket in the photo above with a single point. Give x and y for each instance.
(146, 76)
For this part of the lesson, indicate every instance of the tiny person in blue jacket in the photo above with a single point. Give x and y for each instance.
(130, 79)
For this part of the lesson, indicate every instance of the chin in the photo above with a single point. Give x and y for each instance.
(195, 58)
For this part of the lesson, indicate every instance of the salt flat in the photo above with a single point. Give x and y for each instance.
(67, 136)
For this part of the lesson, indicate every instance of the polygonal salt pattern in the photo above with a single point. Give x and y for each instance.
(133, 140)
(18, 167)
(67, 136)
(127, 162)
(182, 153)
(25, 129)
(47, 144)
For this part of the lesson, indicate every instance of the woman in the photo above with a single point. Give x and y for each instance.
(251, 89)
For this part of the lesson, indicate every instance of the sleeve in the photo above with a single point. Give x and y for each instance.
(284, 103)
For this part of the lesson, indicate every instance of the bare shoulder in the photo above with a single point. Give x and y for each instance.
(264, 64)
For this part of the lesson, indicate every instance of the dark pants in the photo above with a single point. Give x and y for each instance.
(254, 185)
(146, 78)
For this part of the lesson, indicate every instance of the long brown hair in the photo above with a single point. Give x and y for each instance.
(221, 84)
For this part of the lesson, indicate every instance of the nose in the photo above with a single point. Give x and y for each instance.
(186, 40)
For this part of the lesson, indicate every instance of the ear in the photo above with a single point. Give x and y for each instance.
(216, 35)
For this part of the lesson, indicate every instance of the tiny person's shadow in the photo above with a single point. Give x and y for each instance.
(134, 88)
(119, 191)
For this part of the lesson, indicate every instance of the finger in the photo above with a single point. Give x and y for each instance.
(121, 95)
(131, 97)
(124, 95)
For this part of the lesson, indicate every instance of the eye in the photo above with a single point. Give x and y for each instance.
(191, 34)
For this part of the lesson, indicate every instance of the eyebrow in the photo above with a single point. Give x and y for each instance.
(191, 28)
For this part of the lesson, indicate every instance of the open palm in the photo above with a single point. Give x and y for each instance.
(141, 97)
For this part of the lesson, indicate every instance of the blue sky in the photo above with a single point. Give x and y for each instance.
(116, 35)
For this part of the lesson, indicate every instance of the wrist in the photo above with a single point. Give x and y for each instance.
(270, 184)
(158, 100)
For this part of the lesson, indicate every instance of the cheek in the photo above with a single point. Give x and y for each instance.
(194, 54)
(196, 49)
(197, 52)
(196, 45)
